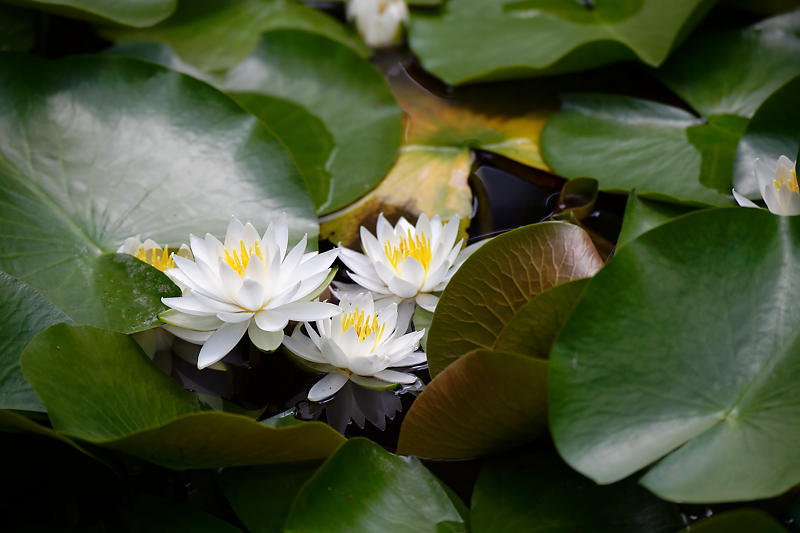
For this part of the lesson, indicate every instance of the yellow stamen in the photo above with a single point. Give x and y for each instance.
(416, 246)
(157, 257)
(239, 259)
(791, 183)
(363, 325)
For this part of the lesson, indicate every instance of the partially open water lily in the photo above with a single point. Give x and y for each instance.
(249, 284)
(780, 192)
(359, 344)
(379, 22)
(152, 253)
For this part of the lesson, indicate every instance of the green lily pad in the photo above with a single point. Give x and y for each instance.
(138, 13)
(471, 40)
(261, 496)
(17, 28)
(683, 352)
(362, 487)
(140, 150)
(498, 279)
(737, 521)
(774, 131)
(535, 491)
(628, 143)
(734, 71)
(144, 513)
(27, 313)
(484, 402)
(340, 88)
(642, 215)
(211, 35)
(100, 388)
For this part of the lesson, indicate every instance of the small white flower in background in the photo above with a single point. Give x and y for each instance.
(152, 253)
(379, 22)
(358, 344)
(248, 284)
(780, 192)
(405, 263)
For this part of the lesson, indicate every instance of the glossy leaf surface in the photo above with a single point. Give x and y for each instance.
(138, 13)
(498, 279)
(95, 149)
(686, 350)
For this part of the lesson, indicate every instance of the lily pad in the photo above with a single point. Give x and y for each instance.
(138, 13)
(774, 131)
(17, 423)
(628, 143)
(362, 487)
(682, 353)
(535, 491)
(211, 35)
(642, 215)
(469, 40)
(484, 402)
(26, 313)
(734, 71)
(737, 521)
(141, 150)
(498, 279)
(100, 388)
(340, 88)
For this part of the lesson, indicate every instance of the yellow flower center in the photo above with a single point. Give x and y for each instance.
(791, 183)
(157, 257)
(416, 246)
(363, 325)
(238, 259)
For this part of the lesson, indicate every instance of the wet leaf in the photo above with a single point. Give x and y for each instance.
(212, 35)
(484, 402)
(95, 149)
(642, 215)
(473, 40)
(362, 487)
(732, 72)
(737, 521)
(138, 13)
(498, 279)
(100, 388)
(682, 353)
(535, 491)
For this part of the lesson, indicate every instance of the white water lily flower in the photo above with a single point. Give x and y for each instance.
(406, 263)
(152, 253)
(379, 22)
(359, 344)
(248, 284)
(780, 193)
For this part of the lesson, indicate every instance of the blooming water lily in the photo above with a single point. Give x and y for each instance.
(246, 284)
(780, 192)
(359, 344)
(379, 22)
(152, 253)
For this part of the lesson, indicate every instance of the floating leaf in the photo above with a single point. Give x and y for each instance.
(26, 313)
(341, 88)
(263, 495)
(484, 402)
(642, 215)
(100, 388)
(212, 35)
(498, 279)
(737, 521)
(11, 421)
(734, 71)
(535, 491)
(684, 350)
(473, 40)
(94, 149)
(138, 13)
(362, 487)
(774, 131)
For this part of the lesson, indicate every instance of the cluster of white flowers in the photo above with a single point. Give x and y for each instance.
(255, 284)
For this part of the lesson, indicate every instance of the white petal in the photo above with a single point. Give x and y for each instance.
(402, 288)
(188, 304)
(371, 382)
(302, 346)
(193, 322)
(251, 295)
(333, 354)
(367, 365)
(368, 284)
(413, 272)
(371, 246)
(383, 229)
(280, 234)
(742, 201)
(385, 273)
(194, 337)
(427, 301)
(304, 311)
(327, 386)
(234, 234)
(270, 320)
(411, 359)
(264, 340)
(396, 377)
(450, 233)
(405, 312)
(357, 262)
(220, 343)
(235, 317)
(130, 245)
(250, 235)
(317, 264)
(292, 261)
